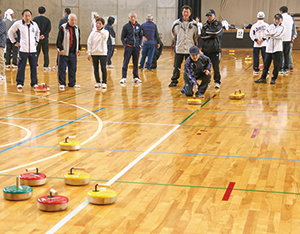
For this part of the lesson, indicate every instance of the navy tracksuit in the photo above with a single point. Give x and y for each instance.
(131, 38)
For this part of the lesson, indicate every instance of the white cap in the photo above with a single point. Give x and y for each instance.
(260, 15)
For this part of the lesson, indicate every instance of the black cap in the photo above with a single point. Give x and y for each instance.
(278, 16)
(194, 50)
(210, 12)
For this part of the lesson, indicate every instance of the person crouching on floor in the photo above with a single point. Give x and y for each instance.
(196, 67)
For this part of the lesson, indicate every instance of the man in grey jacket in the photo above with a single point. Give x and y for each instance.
(185, 31)
(2, 46)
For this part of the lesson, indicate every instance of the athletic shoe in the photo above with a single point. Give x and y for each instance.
(200, 95)
(98, 85)
(2, 77)
(14, 66)
(286, 72)
(35, 86)
(123, 81)
(104, 86)
(47, 68)
(217, 86)
(110, 66)
(55, 67)
(62, 87)
(182, 91)
(281, 72)
(137, 80)
(172, 84)
(7, 66)
(19, 86)
(255, 72)
(273, 81)
(261, 80)
(208, 86)
(149, 70)
(77, 86)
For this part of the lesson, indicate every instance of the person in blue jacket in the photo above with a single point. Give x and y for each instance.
(111, 40)
(131, 38)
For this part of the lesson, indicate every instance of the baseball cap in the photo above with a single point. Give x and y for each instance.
(278, 16)
(194, 50)
(261, 15)
(210, 12)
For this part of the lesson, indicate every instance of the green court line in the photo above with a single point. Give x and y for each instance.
(25, 102)
(177, 185)
(196, 110)
(43, 105)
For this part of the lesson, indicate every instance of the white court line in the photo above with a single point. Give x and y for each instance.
(57, 226)
(23, 139)
(100, 125)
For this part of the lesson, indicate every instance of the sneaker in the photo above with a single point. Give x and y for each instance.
(200, 95)
(208, 86)
(47, 68)
(19, 86)
(62, 87)
(273, 81)
(98, 85)
(55, 67)
(261, 80)
(182, 91)
(149, 70)
(2, 77)
(110, 66)
(286, 72)
(136, 80)
(217, 86)
(77, 86)
(172, 84)
(255, 72)
(7, 66)
(281, 72)
(104, 86)
(14, 66)
(123, 81)
(35, 86)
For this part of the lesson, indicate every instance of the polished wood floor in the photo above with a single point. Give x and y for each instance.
(179, 184)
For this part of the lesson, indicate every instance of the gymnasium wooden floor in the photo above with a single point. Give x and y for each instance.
(188, 154)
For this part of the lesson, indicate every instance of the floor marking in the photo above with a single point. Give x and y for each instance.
(175, 153)
(23, 139)
(228, 191)
(255, 132)
(121, 173)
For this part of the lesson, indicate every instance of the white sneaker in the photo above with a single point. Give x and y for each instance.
(286, 72)
(208, 86)
(2, 77)
(137, 80)
(104, 86)
(77, 86)
(35, 86)
(55, 67)
(7, 66)
(19, 86)
(62, 87)
(281, 72)
(98, 85)
(47, 68)
(123, 81)
(110, 66)
(255, 72)
(14, 66)
(217, 86)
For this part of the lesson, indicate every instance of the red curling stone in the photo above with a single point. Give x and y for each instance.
(53, 202)
(33, 179)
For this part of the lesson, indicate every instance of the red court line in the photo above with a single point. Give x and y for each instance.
(228, 191)
(254, 134)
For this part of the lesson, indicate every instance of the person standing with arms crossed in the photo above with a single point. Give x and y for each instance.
(185, 32)
(211, 35)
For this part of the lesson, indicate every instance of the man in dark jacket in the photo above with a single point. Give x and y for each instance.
(158, 52)
(111, 40)
(211, 35)
(150, 36)
(131, 38)
(2, 46)
(196, 67)
(45, 28)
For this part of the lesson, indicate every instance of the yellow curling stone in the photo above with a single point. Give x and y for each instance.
(77, 178)
(102, 196)
(69, 145)
(237, 95)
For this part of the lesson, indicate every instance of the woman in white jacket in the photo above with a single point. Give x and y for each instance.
(274, 35)
(97, 50)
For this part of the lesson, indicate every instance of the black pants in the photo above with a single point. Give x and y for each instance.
(70, 62)
(11, 52)
(102, 59)
(22, 66)
(110, 53)
(177, 66)
(129, 52)
(215, 60)
(188, 84)
(277, 61)
(286, 51)
(256, 57)
(44, 44)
